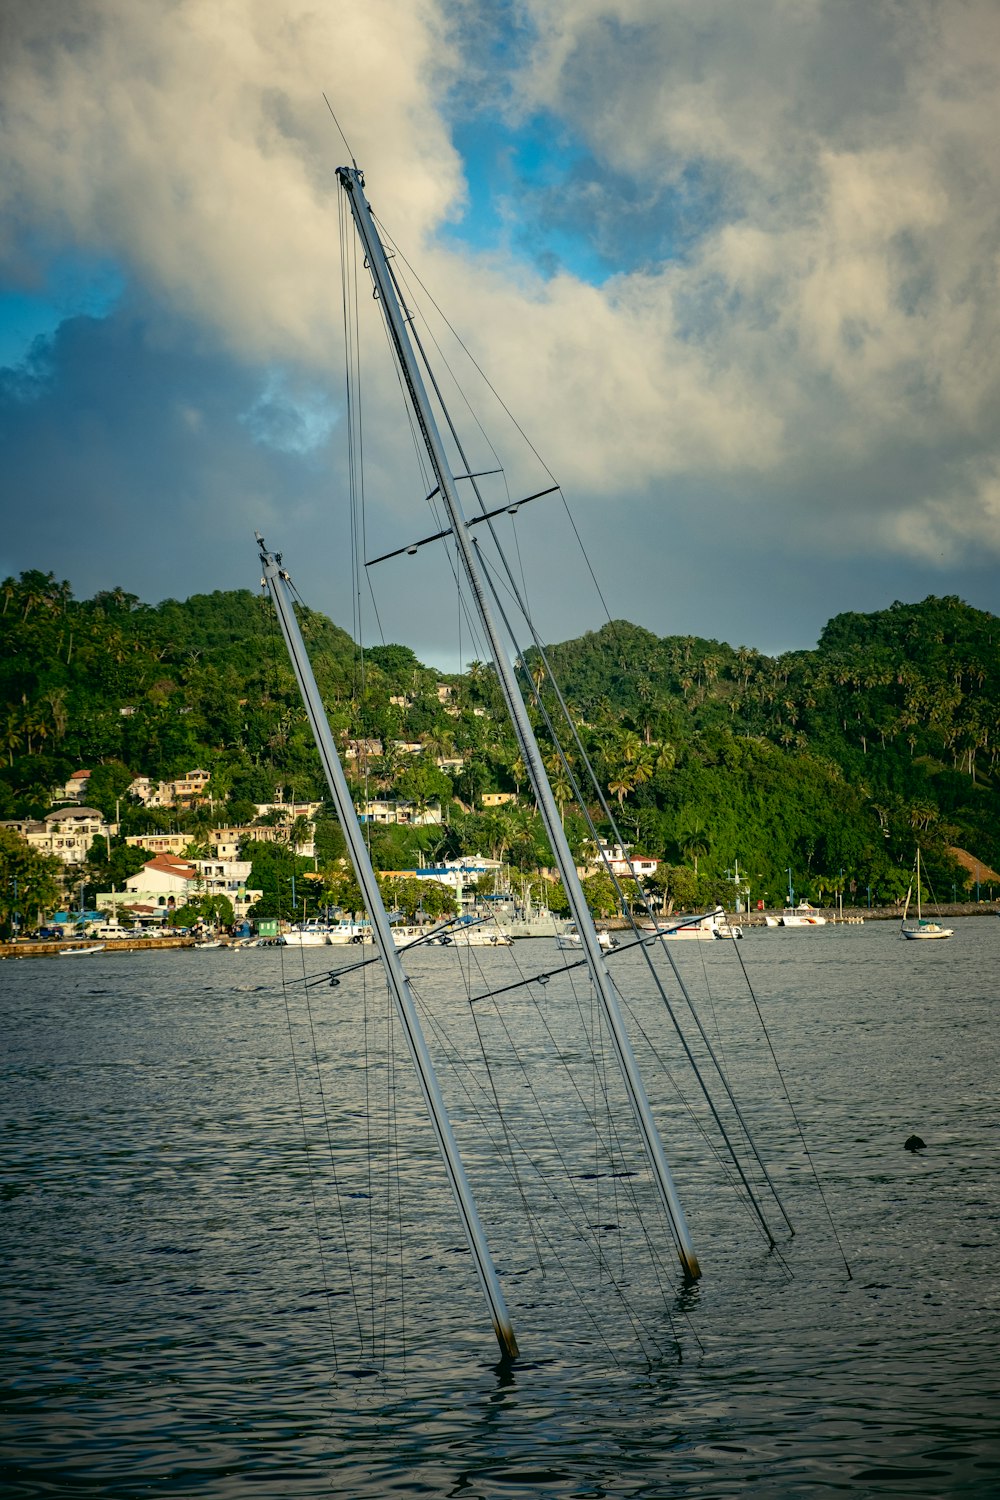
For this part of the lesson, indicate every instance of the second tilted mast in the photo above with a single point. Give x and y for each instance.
(352, 182)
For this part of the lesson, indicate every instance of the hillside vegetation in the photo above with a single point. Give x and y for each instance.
(832, 763)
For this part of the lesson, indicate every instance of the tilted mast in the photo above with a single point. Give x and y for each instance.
(352, 181)
(276, 580)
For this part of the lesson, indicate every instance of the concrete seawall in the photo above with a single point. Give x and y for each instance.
(51, 948)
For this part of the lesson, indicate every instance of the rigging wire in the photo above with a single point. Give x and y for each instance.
(506, 410)
(572, 779)
(663, 942)
(470, 1086)
(795, 1117)
(520, 594)
(613, 1146)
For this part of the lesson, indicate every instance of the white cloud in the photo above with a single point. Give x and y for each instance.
(837, 315)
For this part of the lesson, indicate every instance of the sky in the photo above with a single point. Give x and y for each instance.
(732, 270)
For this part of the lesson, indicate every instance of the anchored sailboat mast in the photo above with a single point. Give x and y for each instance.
(276, 580)
(352, 182)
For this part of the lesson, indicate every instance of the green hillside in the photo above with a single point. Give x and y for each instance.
(831, 763)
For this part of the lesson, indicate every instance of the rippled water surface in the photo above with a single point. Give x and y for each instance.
(228, 1270)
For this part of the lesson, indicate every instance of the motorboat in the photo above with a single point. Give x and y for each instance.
(571, 938)
(311, 934)
(802, 915)
(704, 929)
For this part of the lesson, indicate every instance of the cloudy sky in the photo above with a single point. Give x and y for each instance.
(734, 270)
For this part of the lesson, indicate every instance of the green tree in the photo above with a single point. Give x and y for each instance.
(29, 882)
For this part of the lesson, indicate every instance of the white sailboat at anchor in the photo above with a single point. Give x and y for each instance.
(925, 928)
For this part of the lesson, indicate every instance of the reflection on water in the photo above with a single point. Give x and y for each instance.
(209, 1287)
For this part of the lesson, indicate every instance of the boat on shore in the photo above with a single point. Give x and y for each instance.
(81, 952)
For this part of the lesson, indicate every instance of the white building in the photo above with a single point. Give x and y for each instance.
(456, 873)
(390, 810)
(76, 787)
(625, 864)
(68, 832)
(166, 883)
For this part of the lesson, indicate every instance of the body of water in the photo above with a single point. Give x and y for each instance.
(230, 1269)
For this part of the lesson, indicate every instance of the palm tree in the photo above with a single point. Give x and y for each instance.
(559, 779)
(299, 833)
(621, 782)
(694, 839)
(12, 735)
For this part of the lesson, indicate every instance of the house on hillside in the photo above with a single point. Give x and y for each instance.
(625, 864)
(186, 791)
(166, 883)
(76, 787)
(68, 832)
(159, 843)
(225, 842)
(398, 811)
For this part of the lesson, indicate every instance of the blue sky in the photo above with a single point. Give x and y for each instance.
(731, 270)
(63, 284)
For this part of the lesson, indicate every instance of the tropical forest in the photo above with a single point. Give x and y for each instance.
(824, 768)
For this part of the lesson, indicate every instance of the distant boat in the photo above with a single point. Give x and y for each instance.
(81, 952)
(924, 928)
(348, 932)
(802, 915)
(403, 934)
(471, 933)
(701, 929)
(571, 938)
(311, 934)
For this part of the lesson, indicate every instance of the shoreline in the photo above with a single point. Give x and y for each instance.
(851, 916)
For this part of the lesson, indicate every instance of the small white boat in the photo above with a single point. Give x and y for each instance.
(81, 952)
(572, 939)
(403, 934)
(209, 943)
(311, 934)
(726, 929)
(349, 932)
(472, 935)
(700, 929)
(802, 915)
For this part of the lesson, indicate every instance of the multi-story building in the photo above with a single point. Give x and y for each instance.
(166, 883)
(186, 791)
(68, 832)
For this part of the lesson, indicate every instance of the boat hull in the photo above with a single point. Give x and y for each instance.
(930, 931)
(573, 940)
